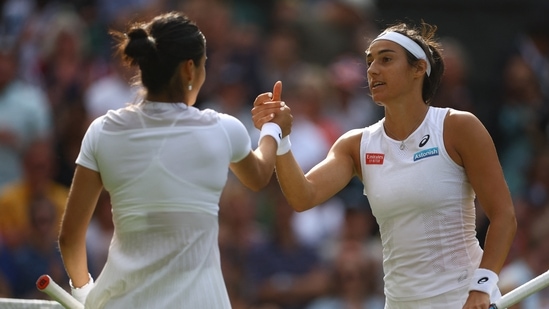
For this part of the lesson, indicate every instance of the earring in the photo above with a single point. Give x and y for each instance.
(190, 87)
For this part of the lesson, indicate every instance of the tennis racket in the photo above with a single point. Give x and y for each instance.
(46, 284)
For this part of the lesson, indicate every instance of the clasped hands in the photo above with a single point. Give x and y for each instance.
(269, 107)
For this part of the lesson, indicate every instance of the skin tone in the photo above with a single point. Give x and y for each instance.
(396, 85)
(254, 171)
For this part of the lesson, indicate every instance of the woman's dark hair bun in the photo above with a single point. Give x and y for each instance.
(140, 47)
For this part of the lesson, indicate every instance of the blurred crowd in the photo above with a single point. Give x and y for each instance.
(58, 73)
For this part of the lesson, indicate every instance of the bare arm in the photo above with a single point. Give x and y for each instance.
(85, 189)
(472, 147)
(256, 170)
(325, 179)
(476, 150)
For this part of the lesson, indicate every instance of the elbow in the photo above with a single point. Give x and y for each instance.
(513, 223)
(65, 240)
(506, 221)
(257, 185)
(62, 243)
(511, 220)
(301, 207)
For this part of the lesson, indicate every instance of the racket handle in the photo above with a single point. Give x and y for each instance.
(46, 284)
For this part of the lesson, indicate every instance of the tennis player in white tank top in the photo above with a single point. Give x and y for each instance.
(424, 206)
(422, 168)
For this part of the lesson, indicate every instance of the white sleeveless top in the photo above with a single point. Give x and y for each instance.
(424, 205)
(165, 166)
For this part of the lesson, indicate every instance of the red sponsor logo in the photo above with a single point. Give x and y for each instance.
(374, 158)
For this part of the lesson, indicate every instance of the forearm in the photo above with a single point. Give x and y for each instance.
(75, 260)
(256, 170)
(295, 186)
(499, 238)
(266, 158)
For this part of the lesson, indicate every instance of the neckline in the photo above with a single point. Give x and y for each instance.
(163, 105)
(402, 142)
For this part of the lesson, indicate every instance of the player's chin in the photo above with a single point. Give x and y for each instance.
(379, 100)
(377, 97)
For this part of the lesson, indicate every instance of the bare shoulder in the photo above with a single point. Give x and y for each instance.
(352, 134)
(347, 149)
(464, 133)
(463, 124)
(349, 139)
(460, 118)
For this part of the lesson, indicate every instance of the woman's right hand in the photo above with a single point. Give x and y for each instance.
(268, 107)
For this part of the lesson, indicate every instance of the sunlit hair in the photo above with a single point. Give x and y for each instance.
(158, 47)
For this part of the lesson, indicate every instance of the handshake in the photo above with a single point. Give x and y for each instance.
(273, 117)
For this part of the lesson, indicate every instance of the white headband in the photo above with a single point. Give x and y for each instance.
(408, 44)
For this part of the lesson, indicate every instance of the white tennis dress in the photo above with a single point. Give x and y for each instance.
(165, 166)
(424, 205)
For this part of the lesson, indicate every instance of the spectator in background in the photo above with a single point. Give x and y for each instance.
(356, 280)
(359, 226)
(351, 94)
(109, 11)
(25, 116)
(533, 261)
(454, 90)
(64, 74)
(5, 288)
(216, 19)
(281, 270)
(519, 119)
(62, 65)
(232, 96)
(38, 254)
(281, 56)
(29, 22)
(110, 92)
(312, 133)
(37, 180)
(533, 47)
(239, 230)
(343, 21)
(536, 193)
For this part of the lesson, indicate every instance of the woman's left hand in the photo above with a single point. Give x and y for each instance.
(477, 300)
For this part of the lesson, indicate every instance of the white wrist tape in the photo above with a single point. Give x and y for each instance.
(82, 292)
(484, 280)
(272, 129)
(284, 146)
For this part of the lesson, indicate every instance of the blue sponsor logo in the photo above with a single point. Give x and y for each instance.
(426, 153)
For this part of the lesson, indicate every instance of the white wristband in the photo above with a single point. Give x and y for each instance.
(484, 280)
(284, 146)
(82, 292)
(272, 129)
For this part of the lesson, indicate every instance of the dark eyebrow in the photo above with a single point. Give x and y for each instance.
(369, 55)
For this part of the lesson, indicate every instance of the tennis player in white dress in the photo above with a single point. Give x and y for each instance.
(164, 164)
